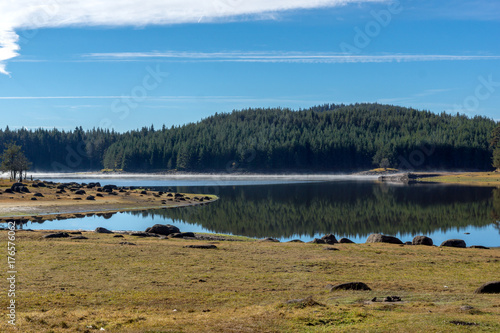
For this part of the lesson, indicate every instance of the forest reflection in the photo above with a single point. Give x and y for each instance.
(343, 208)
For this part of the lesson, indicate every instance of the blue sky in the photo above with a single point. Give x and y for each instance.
(177, 62)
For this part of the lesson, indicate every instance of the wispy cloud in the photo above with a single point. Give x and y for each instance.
(36, 14)
(277, 56)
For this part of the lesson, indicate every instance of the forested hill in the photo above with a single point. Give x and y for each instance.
(322, 138)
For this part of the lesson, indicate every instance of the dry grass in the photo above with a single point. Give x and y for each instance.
(160, 286)
(469, 178)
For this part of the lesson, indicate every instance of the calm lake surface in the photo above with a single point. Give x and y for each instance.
(307, 207)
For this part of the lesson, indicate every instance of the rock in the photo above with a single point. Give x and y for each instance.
(466, 308)
(79, 237)
(295, 241)
(8, 190)
(181, 235)
(317, 241)
(269, 239)
(80, 192)
(99, 195)
(454, 243)
(118, 236)
(38, 195)
(351, 286)
(208, 246)
(422, 240)
(489, 288)
(126, 243)
(109, 187)
(90, 197)
(57, 235)
(329, 239)
(374, 299)
(33, 198)
(392, 299)
(379, 238)
(101, 230)
(479, 247)
(163, 229)
(408, 243)
(345, 241)
(75, 233)
(144, 192)
(143, 234)
(331, 249)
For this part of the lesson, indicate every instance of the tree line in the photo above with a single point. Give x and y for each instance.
(330, 137)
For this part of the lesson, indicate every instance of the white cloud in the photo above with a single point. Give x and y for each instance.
(35, 14)
(277, 56)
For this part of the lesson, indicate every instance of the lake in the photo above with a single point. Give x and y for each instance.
(306, 207)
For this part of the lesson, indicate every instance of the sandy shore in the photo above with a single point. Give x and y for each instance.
(52, 203)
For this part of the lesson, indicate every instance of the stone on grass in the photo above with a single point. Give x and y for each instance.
(201, 246)
(479, 247)
(101, 230)
(345, 241)
(454, 243)
(163, 229)
(422, 240)
(350, 286)
(329, 239)
(79, 237)
(489, 288)
(379, 238)
(57, 235)
(269, 239)
(90, 197)
(181, 235)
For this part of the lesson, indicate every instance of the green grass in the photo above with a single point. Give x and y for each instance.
(160, 286)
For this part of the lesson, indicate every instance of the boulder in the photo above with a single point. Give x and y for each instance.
(181, 235)
(101, 230)
(163, 229)
(454, 243)
(269, 239)
(57, 235)
(79, 237)
(489, 288)
(479, 247)
(379, 238)
(350, 286)
(90, 197)
(345, 241)
(317, 241)
(201, 246)
(422, 240)
(329, 239)
(38, 195)
(80, 192)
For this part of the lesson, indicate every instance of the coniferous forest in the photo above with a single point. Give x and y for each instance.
(326, 138)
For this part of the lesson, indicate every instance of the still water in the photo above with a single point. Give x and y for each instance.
(307, 207)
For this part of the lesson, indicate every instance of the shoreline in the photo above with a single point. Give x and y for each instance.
(45, 201)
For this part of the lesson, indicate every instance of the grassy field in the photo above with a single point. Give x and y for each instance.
(157, 285)
(469, 178)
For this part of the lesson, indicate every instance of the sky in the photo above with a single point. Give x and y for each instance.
(127, 64)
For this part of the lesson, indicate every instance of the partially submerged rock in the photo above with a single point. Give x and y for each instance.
(379, 238)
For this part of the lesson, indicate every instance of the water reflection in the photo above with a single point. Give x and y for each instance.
(343, 208)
